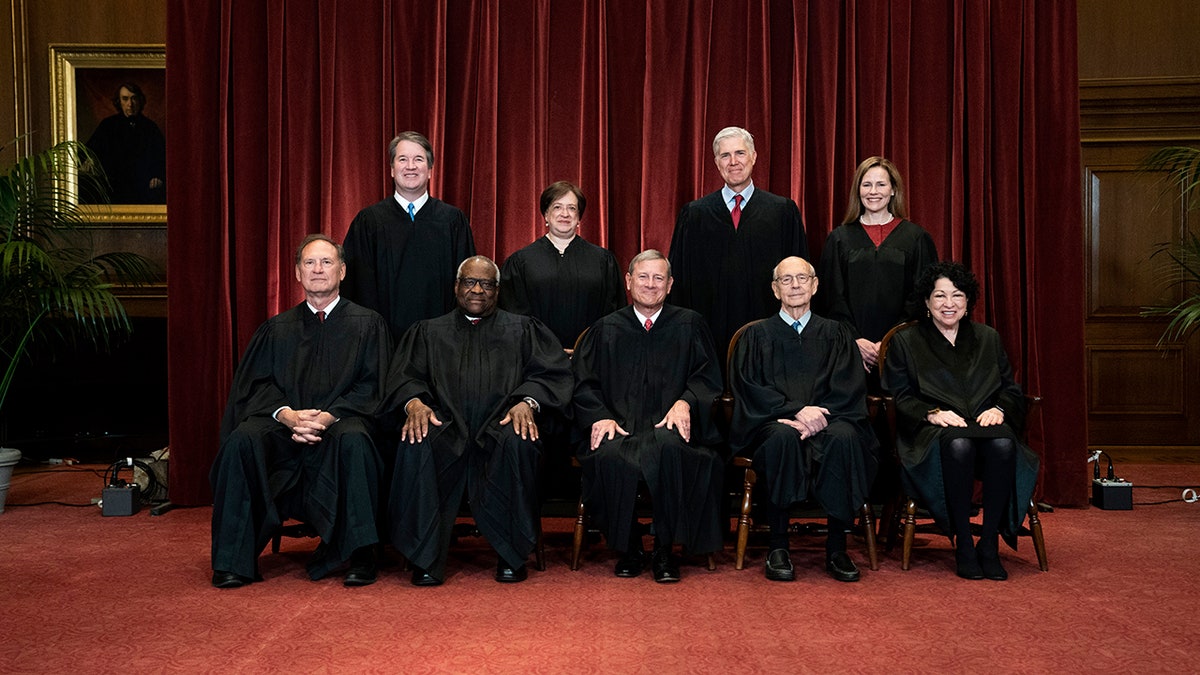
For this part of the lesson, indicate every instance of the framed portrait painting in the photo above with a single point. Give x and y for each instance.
(112, 98)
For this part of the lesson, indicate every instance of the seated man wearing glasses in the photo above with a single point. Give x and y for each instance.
(464, 392)
(800, 412)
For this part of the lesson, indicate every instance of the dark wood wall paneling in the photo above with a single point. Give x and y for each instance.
(1139, 90)
(85, 405)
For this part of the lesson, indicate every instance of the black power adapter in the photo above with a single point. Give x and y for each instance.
(1110, 493)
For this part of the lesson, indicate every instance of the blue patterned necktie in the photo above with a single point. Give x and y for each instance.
(412, 212)
(796, 326)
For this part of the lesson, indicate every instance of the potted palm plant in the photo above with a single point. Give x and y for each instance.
(1180, 264)
(55, 291)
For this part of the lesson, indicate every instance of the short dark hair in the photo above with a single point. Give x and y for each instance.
(133, 89)
(958, 274)
(341, 253)
(556, 190)
(415, 137)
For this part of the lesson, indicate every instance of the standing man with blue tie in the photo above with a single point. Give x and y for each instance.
(726, 243)
(402, 253)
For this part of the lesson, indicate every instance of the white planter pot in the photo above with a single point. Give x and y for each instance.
(8, 459)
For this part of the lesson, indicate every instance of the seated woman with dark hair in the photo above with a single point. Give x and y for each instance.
(959, 413)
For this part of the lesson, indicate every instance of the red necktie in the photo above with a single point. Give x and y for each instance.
(474, 321)
(737, 210)
(321, 315)
(648, 324)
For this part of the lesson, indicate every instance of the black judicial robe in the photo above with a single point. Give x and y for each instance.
(404, 269)
(725, 273)
(924, 371)
(471, 375)
(775, 373)
(132, 151)
(567, 291)
(626, 373)
(338, 366)
(870, 288)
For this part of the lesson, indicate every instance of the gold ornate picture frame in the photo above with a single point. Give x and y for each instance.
(84, 81)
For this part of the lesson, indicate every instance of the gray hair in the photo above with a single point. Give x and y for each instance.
(733, 132)
(477, 258)
(341, 253)
(649, 254)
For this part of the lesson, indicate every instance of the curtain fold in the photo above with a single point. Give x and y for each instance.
(288, 107)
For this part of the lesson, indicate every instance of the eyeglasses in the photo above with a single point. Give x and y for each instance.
(467, 283)
(569, 208)
(789, 279)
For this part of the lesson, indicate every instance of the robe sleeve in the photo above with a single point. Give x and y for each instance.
(547, 374)
(514, 291)
(408, 378)
(588, 400)
(899, 379)
(614, 290)
(832, 275)
(254, 391)
(373, 344)
(703, 382)
(924, 254)
(755, 398)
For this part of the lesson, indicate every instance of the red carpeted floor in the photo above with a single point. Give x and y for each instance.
(88, 594)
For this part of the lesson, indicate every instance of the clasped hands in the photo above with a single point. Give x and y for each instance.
(678, 418)
(949, 418)
(306, 425)
(420, 416)
(810, 420)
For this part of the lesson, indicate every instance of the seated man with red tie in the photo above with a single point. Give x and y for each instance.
(296, 440)
(465, 390)
(646, 377)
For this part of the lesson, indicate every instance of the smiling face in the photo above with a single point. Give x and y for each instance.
(320, 270)
(473, 298)
(563, 216)
(876, 191)
(648, 285)
(947, 305)
(735, 161)
(410, 170)
(794, 284)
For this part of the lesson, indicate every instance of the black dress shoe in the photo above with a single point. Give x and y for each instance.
(422, 578)
(967, 564)
(510, 575)
(363, 568)
(841, 567)
(664, 566)
(229, 579)
(631, 564)
(989, 563)
(779, 566)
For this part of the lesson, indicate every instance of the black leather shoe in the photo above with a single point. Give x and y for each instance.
(510, 575)
(422, 578)
(363, 568)
(631, 564)
(841, 567)
(989, 563)
(779, 566)
(229, 580)
(665, 567)
(967, 565)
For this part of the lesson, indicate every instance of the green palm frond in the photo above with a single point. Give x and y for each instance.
(1180, 267)
(54, 288)
(1182, 165)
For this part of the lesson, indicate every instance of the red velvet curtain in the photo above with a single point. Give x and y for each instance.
(282, 111)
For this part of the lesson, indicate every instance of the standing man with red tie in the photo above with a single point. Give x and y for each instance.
(726, 244)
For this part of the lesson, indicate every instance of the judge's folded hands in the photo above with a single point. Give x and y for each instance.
(809, 421)
(521, 417)
(306, 425)
(416, 427)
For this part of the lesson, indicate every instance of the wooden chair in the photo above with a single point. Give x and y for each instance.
(581, 516)
(750, 477)
(909, 508)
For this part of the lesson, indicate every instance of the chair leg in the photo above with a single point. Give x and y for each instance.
(580, 517)
(275, 541)
(712, 562)
(744, 520)
(869, 533)
(910, 529)
(539, 550)
(1039, 541)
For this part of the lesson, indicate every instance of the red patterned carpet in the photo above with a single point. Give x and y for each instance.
(88, 594)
